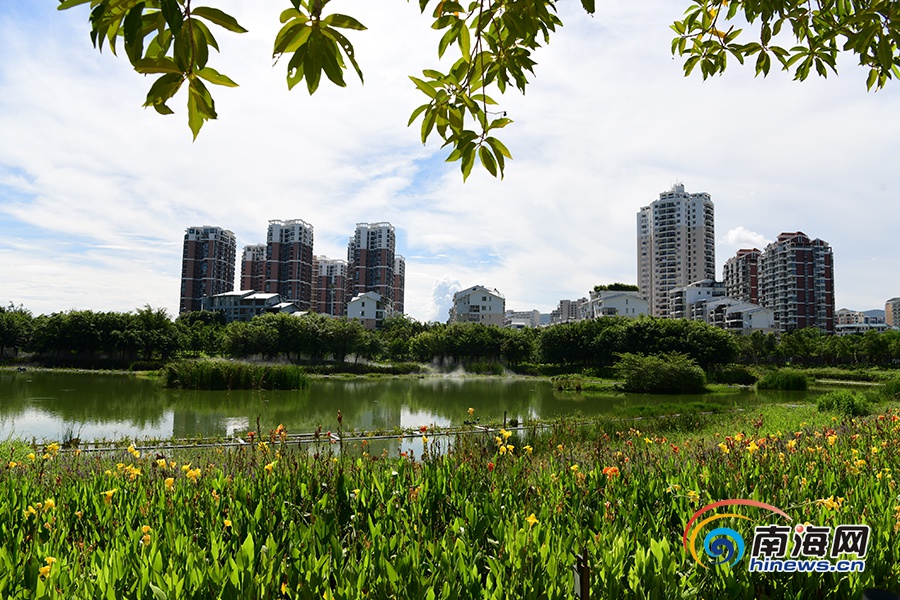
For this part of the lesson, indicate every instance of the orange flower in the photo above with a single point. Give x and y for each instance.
(611, 471)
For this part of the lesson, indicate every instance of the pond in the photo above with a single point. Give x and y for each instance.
(54, 405)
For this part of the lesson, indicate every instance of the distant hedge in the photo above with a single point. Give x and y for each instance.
(670, 373)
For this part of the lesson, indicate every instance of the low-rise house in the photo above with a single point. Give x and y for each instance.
(478, 304)
(370, 308)
(243, 305)
(607, 303)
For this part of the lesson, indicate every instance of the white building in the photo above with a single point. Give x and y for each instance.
(243, 305)
(737, 316)
(608, 303)
(676, 245)
(521, 319)
(370, 308)
(686, 302)
(568, 311)
(478, 304)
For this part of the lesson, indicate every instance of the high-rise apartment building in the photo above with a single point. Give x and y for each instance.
(371, 261)
(330, 286)
(741, 276)
(207, 265)
(892, 312)
(399, 296)
(289, 257)
(253, 268)
(675, 245)
(796, 280)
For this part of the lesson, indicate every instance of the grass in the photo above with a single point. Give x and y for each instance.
(502, 516)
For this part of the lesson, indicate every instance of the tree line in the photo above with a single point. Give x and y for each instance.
(149, 334)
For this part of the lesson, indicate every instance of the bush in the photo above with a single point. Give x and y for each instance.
(221, 375)
(851, 404)
(891, 389)
(671, 373)
(483, 367)
(568, 383)
(733, 375)
(783, 379)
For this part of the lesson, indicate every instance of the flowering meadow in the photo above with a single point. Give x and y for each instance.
(502, 514)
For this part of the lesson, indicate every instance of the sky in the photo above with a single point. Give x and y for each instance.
(96, 191)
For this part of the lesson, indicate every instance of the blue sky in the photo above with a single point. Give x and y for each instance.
(96, 192)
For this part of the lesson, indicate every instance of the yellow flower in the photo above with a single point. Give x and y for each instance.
(648, 440)
(531, 520)
(574, 468)
(145, 529)
(471, 411)
(79, 514)
(831, 439)
(193, 474)
(44, 571)
(50, 560)
(791, 444)
(559, 447)
(739, 437)
(830, 502)
(108, 494)
(30, 511)
(506, 434)
(528, 449)
(510, 448)
(502, 449)
(227, 522)
(672, 488)
(693, 496)
(146, 540)
(269, 467)
(875, 449)
(170, 483)
(860, 463)
(107, 472)
(497, 440)
(356, 492)
(49, 503)
(13, 464)
(161, 463)
(424, 439)
(752, 447)
(31, 456)
(186, 467)
(724, 448)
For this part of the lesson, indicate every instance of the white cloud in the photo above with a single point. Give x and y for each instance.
(741, 237)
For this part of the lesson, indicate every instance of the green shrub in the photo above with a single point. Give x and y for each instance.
(222, 375)
(568, 383)
(783, 379)
(733, 375)
(851, 404)
(891, 389)
(671, 373)
(484, 367)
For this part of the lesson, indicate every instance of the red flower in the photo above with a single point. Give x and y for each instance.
(490, 467)
(423, 428)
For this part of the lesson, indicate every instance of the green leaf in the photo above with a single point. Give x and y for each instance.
(487, 160)
(423, 86)
(344, 22)
(172, 14)
(588, 6)
(131, 30)
(158, 594)
(214, 77)
(291, 37)
(214, 15)
(70, 3)
(416, 113)
(468, 161)
(164, 88)
(156, 65)
(199, 46)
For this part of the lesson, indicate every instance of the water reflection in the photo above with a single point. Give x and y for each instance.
(51, 405)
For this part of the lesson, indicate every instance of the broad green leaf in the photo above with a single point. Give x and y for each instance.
(423, 86)
(291, 37)
(214, 15)
(156, 65)
(70, 3)
(213, 76)
(487, 160)
(172, 13)
(343, 21)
